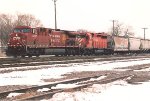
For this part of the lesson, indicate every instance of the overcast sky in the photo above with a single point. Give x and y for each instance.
(93, 15)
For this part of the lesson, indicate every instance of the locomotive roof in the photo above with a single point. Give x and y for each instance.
(22, 27)
(102, 33)
(70, 32)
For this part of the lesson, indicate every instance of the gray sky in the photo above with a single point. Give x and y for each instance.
(93, 15)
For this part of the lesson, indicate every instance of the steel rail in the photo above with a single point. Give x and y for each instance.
(34, 88)
(49, 94)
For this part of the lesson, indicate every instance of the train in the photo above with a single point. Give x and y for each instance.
(28, 41)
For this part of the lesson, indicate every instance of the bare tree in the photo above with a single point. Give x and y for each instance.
(27, 20)
(8, 22)
(128, 31)
(121, 29)
(117, 29)
(6, 26)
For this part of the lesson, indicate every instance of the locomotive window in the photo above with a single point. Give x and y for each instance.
(34, 31)
(24, 30)
(17, 30)
(104, 36)
(80, 36)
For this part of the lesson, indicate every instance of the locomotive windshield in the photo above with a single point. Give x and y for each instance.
(80, 36)
(22, 30)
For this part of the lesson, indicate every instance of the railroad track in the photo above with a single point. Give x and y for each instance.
(9, 63)
(53, 58)
(32, 93)
(66, 63)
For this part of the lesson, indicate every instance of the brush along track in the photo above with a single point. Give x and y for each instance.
(33, 94)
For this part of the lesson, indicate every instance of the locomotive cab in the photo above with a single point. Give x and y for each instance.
(17, 40)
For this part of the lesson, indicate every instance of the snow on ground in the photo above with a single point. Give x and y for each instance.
(63, 86)
(35, 77)
(115, 91)
(146, 69)
(13, 94)
(43, 90)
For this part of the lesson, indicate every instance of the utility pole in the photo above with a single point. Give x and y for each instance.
(55, 14)
(113, 27)
(144, 32)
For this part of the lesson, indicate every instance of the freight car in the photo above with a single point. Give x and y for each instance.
(121, 45)
(145, 45)
(134, 45)
(27, 41)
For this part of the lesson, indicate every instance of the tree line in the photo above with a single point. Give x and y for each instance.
(8, 22)
(120, 29)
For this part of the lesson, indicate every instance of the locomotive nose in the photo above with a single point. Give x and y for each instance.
(15, 40)
(16, 37)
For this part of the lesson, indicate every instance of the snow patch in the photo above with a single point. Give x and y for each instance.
(115, 91)
(14, 94)
(43, 90)
(62, 86)
(99, 78)
(146, 69)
